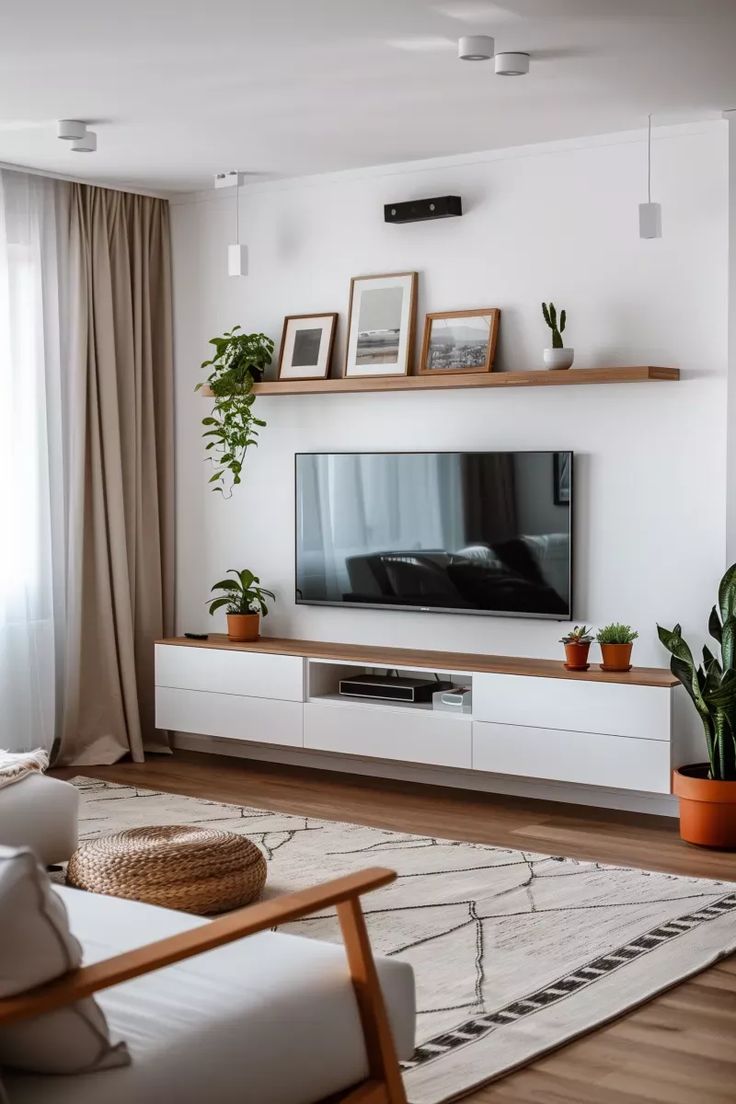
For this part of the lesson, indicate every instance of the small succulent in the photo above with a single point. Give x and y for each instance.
(616, 634)
(550, 317)
(581, 634)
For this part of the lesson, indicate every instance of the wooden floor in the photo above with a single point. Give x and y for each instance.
(678, 1049)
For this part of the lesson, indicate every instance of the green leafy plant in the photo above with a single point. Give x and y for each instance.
(241, 594)
(712, 684)
(581, 634)
(232, 426)
(550, 317)
(616, 634)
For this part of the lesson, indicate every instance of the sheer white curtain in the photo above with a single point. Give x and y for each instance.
(31, 459)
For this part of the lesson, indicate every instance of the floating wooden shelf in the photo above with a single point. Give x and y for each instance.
(540, 378)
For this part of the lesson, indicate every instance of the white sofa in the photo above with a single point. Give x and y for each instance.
(268, 1019)
(41, 813)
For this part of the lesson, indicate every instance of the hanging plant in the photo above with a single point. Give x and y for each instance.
(232, 427)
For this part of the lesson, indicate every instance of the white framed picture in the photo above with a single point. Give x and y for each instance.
(306, 346)
(381, 320)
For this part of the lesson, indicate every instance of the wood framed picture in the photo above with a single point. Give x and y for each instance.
(381, 321)
(460, 341)
(306, 346)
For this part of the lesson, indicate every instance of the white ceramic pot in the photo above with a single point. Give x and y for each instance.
(555, 359)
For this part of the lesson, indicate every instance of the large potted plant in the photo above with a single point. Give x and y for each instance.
(707, 791)
(245, 600)
(232, 426)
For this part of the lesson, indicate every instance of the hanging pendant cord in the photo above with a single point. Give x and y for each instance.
(649, 161)
(237, 210)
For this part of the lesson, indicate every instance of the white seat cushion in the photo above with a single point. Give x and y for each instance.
(41, 813)
(271, 1019)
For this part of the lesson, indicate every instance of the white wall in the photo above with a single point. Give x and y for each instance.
(551, 221)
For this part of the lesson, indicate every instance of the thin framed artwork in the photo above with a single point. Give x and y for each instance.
(306, 346)
(381, 323)
(460, 341)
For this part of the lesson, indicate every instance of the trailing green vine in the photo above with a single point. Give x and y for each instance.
(232, 427)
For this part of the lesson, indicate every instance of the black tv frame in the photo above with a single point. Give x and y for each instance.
(569, 616)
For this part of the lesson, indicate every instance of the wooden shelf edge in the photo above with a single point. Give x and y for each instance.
(540, 378)
(371, 655)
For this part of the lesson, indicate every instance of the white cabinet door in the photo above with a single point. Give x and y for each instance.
(642, 712)
(222, 671)
(257, 720)
(409, 736)
(591, 758)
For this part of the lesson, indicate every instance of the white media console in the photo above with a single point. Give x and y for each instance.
(531, 719)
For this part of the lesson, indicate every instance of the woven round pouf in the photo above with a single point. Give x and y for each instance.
(193, 869)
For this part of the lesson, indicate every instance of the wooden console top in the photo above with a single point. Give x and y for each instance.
(376, 656)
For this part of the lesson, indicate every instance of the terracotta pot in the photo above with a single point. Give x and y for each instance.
(616, 657)
(243, 626)
(576, 655)
(707, 807)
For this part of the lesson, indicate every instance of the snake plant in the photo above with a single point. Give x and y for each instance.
(712, 684)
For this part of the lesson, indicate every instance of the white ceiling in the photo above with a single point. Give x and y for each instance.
(181, 89)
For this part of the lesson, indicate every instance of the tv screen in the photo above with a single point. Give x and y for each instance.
(469, 532)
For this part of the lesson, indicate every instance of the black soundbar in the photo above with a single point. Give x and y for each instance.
(420, 210)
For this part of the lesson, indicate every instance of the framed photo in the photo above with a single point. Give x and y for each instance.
(306, 346)
(381, 320)
(460, 341)
(562, 464)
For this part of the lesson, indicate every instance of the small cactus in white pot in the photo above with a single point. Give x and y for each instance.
(558, 356)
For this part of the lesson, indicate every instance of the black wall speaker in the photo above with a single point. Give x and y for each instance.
(420, 210)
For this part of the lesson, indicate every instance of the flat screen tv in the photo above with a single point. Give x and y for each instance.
(464, 532)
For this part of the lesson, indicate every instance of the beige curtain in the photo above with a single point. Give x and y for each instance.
(120, 463)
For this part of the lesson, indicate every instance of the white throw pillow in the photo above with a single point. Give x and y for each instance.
(37, 946)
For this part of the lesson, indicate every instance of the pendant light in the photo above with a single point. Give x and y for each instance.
(650, 214)
(237, 253)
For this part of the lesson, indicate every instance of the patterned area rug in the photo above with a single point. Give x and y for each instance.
(514, 953)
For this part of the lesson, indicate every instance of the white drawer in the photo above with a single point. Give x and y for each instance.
(222, 671)
(642, 712)
(591, 758)
(258, 720)
(406, 735)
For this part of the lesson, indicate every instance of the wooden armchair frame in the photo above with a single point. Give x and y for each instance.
(384, 1084)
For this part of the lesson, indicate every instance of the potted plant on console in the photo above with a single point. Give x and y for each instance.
(616, 642)
(245, 600)
(707, 791)
(577, 645)
(558, 356)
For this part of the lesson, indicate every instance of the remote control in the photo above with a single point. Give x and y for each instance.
(197, 636)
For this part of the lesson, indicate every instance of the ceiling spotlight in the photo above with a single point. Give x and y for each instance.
(70, 130)
(86, 144)
(475, 48)
(511, 64)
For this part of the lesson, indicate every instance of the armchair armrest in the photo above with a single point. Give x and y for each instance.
(86, 980)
